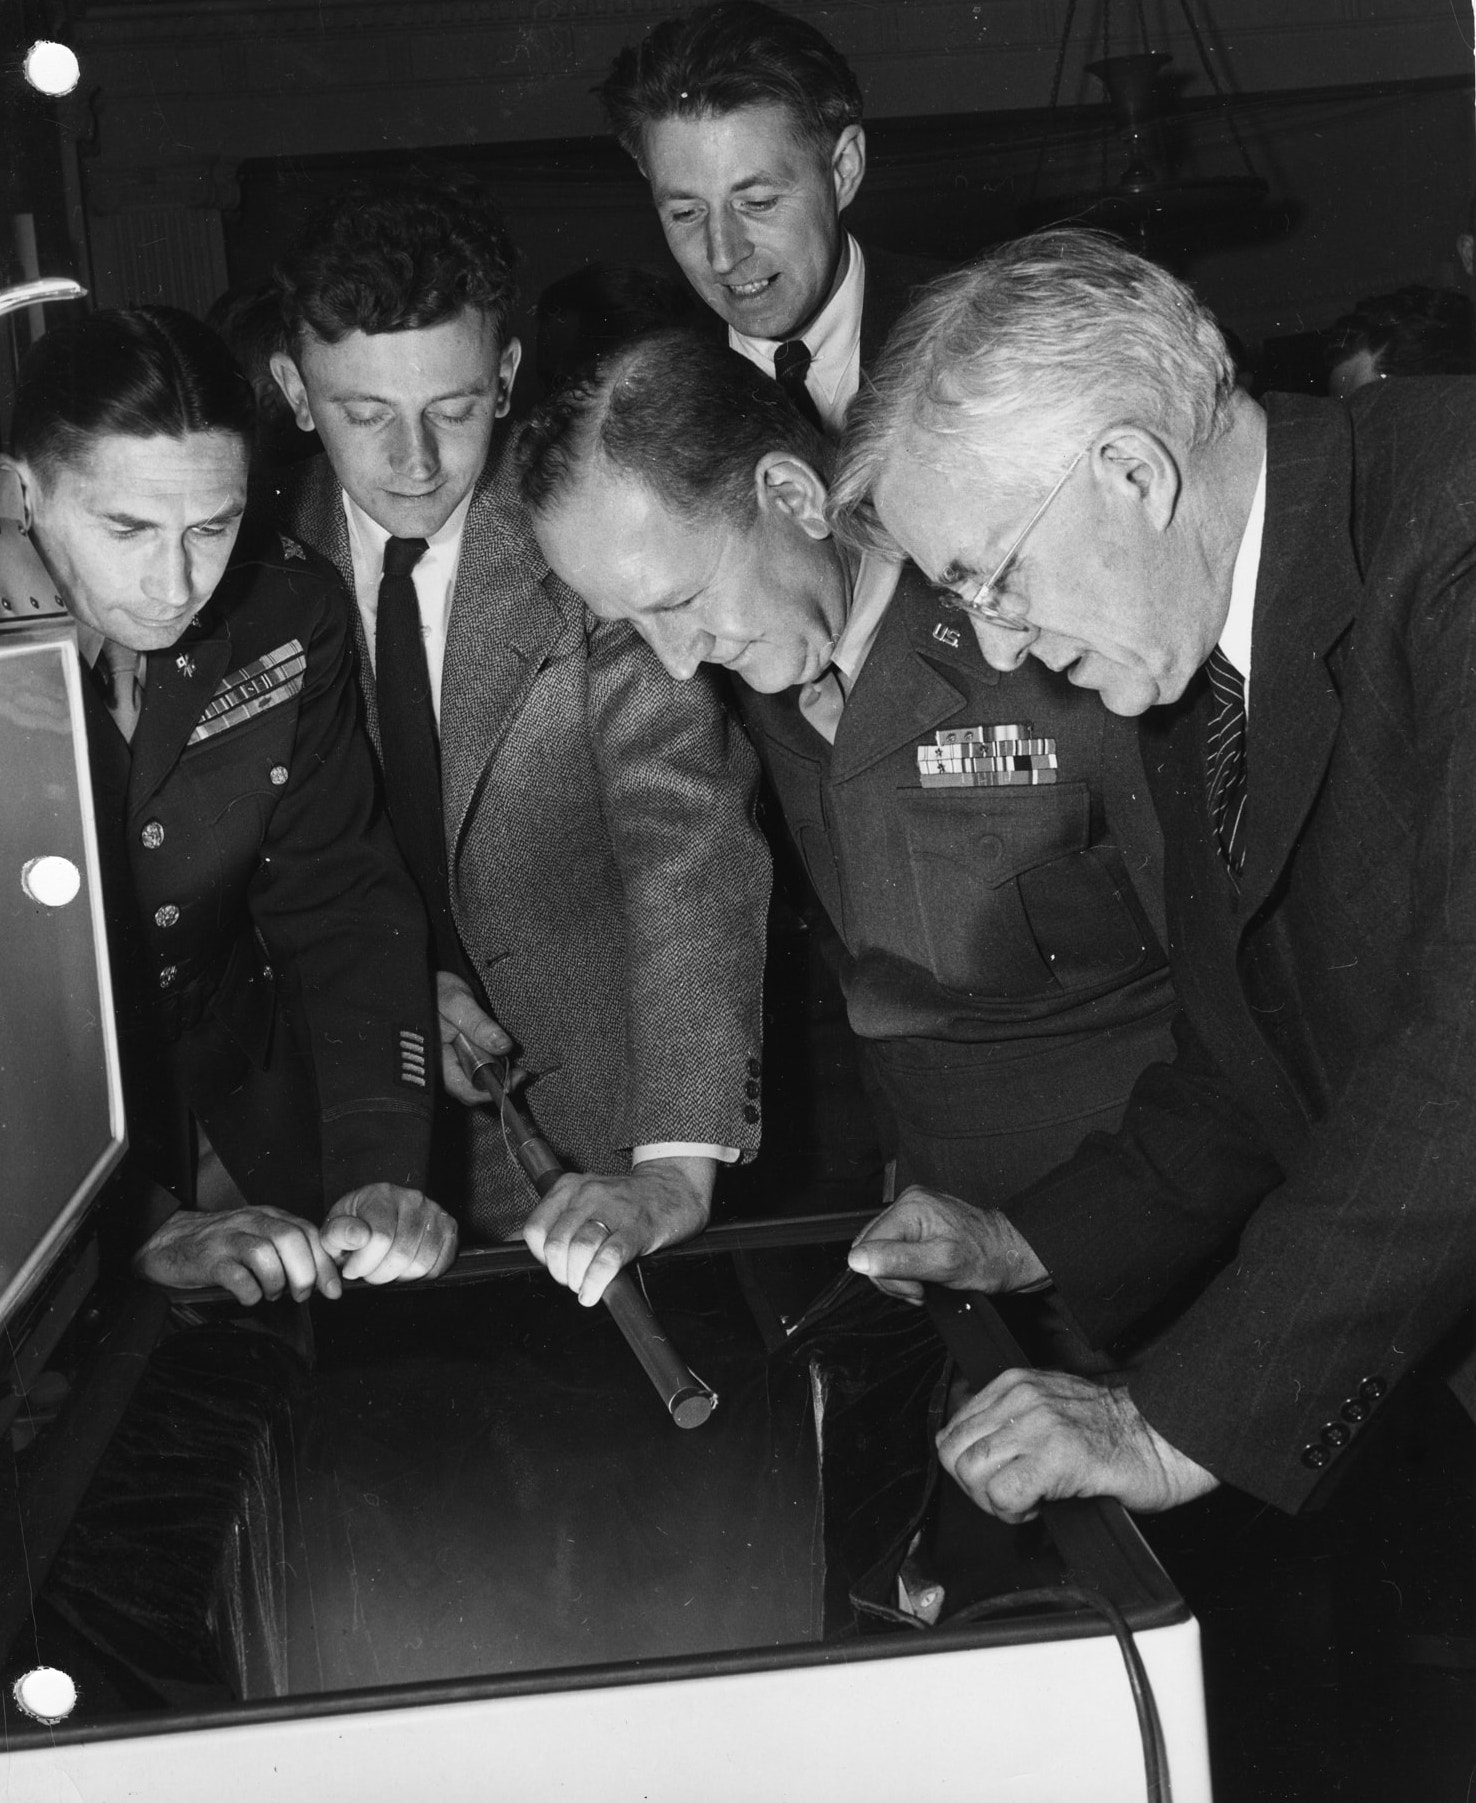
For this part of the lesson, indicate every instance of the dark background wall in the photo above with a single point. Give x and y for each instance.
(202, 131)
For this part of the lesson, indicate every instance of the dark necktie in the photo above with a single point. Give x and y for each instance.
(120, 675)
(791, 366)
(409, 746)
(1225, 750)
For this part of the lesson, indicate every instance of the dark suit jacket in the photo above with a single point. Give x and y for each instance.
(607, 880)
(891, 281)
(1324, 1103)
(979, 916)
(241, 849)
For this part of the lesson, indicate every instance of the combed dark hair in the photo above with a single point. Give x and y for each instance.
(389, 259)
(140, 372)
(719, 58)
(1413, 332)
(681, 413)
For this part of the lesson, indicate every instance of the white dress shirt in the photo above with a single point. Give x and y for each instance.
(833, 339)
(873, 583)
(434, 576)
(1235, 635)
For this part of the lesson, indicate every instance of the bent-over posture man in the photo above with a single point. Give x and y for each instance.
(999, 968)
(267, 947)
(580, 825)
(1285, 596)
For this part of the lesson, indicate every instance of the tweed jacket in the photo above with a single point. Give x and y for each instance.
(608, 882)
(1307, 1161)
(971, 914)
(242, 847)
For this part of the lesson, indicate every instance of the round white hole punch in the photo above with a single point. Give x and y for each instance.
(46, 1693)
(51, 881)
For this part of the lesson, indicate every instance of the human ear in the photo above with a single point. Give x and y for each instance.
(1136, 467)
(17, 491)
(507, 374)
(288, 378)
(789, 489)
(848, 165)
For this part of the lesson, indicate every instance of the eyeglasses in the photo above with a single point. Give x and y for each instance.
(979, 598)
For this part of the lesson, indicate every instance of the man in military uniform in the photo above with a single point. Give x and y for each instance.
(267, 947)
(995, 901)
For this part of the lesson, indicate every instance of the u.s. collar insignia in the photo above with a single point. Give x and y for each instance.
(185, 664)
(947, 635)
(291, 548)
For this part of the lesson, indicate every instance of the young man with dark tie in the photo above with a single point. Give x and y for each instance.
(580, 826)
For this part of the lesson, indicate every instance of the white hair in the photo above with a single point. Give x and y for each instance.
(1016, 363)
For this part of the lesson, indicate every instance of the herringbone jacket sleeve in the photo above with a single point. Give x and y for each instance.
(677, 780)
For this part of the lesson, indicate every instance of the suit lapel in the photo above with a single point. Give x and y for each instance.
(902, 692)
(313, 503)
(509, 614)
(181, 682)
(1304, 605)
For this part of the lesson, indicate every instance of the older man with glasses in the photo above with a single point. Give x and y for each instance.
(1056, 435)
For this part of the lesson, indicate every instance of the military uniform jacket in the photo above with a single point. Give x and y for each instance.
(608, 882)
(1315, 1139)
(971, 913)
(242, 846)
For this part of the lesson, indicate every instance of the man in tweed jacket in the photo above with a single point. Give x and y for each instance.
(607, 886)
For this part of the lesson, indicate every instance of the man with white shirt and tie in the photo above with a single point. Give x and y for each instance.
(1000, 968)
(746, 121)
(1056, 436)
(579, 825)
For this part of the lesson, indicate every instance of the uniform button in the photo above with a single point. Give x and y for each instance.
(168, 975)
(753, 1067)
(750, 1114)
(1354, 1412)
(167, 916)
(152, 836)
(1372, 1388)
(279, 774)
(1315, 1457)
(752, 1091)
(1336, 1435)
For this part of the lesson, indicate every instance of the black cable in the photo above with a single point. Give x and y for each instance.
(1150, 1728)
(1223, 93)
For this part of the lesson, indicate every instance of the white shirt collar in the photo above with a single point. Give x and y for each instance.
(434, 577)
(873, 583)
(834, 341)
(1235, 635)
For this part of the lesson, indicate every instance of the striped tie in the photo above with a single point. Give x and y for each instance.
(1225, 750)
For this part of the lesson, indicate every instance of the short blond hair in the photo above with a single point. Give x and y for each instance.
(1017, 362)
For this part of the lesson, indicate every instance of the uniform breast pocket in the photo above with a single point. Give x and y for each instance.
(239, 775)
(1012, 898)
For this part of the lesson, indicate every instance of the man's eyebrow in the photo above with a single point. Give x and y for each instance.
(760, 179)
(470, 391)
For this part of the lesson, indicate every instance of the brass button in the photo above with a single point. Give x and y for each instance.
(168, 975)
(152, 836)
(167, 916)
(279, 774)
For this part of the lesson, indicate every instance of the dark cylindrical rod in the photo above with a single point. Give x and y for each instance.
(687, 1398)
